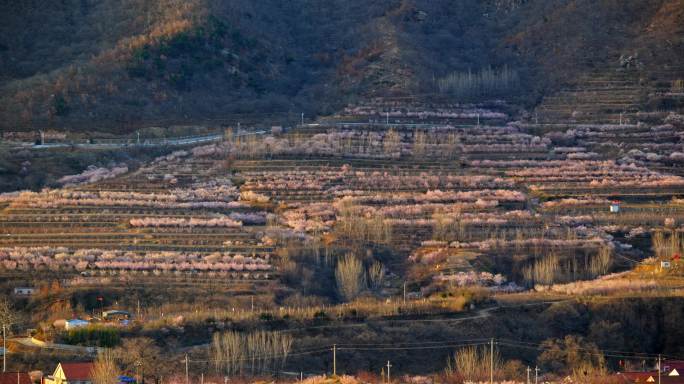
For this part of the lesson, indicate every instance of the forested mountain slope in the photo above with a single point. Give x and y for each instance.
(109, 65)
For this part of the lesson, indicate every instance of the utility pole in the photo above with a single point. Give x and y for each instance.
(491, 361)
(536, 374)
(659, 362)
(389, 380)
(528, 374)
(334, 359)
(4, 349)
(404, 292)
(187, 372)
(138, 364)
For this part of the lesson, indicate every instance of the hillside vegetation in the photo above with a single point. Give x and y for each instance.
(116, 65)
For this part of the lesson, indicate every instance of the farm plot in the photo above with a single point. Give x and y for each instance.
(444, 203)
(169, 218)
(404, 185)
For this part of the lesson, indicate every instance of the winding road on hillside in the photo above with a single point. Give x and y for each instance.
(479, 314)
(35, 343)
(125, 143)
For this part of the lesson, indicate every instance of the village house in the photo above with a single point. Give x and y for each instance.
(15, 378)
(673, 368)
(75, 323)
(24, 291)
(615, 206)
(71, 373)
(669, 374)
(116, 315)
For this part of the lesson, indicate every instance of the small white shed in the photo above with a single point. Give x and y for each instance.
(75, 323)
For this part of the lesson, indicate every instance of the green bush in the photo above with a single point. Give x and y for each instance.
(60, 106)
(94, 335)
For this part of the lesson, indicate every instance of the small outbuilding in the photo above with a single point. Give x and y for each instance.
(615, 206)
(24, 291)
(75, 323)
(116, 314)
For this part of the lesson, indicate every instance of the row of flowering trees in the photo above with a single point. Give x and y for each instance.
(442, 141)
(93, 174)
(206, 195)
(191, 222)
(433, 196)
(334, 181)
(590, 174)
(419, 111)
(407, 209)
(62, 258)
(233, 220)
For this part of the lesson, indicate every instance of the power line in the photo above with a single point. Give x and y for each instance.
(410, 348)
(265, 356)
(580, 348)
(597, 352)
(411, 344)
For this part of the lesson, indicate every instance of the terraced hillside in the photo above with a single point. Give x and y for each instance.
(618, 96)
(423, 197)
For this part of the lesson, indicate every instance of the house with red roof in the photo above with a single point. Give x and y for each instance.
(71, 373)
(15, 378)
(638, 377)
(674, 368)
(672, 372)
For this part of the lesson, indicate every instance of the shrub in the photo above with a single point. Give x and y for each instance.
(572, 355)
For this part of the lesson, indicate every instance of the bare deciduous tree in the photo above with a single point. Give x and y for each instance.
(259, 352)
(473, 363)
(376, 275)
(419, 143)
(7, 315)
(105, 370)
(350, 277)
(391, 143)
(141, 355)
